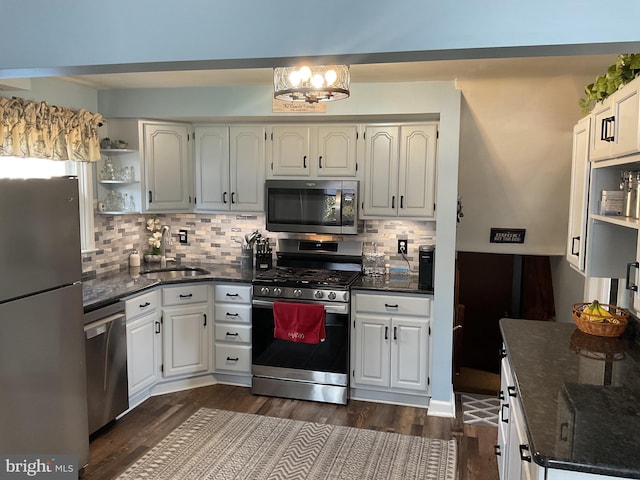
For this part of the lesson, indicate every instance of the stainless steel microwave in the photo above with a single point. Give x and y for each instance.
(312, 206)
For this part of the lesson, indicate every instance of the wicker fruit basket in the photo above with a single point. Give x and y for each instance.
(602, 326)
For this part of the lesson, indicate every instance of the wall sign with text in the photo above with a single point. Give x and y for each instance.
(507, 235)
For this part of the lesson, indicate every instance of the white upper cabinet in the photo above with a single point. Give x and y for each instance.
(313, 151)
(576, 241)
(167, 166)
(290, 151)
(614, 127)
(626, 107)
(230, 168)
(212, 168)
(247, 154)
(336, 150)
(400, 168)
(381, 171)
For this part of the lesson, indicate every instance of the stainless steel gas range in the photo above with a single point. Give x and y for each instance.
(307, 273)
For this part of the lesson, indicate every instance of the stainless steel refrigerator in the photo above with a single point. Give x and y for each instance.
(43, 399)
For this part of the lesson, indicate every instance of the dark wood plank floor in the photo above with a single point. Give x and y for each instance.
(118, 445)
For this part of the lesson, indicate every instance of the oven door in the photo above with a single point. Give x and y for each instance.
(325, 363)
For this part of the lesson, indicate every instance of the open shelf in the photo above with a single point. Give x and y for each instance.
(619, 220)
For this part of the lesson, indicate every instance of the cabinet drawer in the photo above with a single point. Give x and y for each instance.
(233, 357)
(145, 303)
(233, 293)
(233, 333)
(184, 294)
(394, 304)
(232, 313)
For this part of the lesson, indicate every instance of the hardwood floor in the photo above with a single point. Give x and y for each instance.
(117, 445)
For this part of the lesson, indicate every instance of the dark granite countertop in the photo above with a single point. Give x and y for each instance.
(108, 288)
(111, 287)
(580, 395)
(390, 283)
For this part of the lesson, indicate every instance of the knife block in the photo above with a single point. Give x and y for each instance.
(264, 261)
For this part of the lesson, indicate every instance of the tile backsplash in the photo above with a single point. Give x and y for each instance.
(215, 238)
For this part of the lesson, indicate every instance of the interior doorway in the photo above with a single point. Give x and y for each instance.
(489, 287)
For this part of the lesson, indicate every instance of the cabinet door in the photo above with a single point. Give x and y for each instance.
(381, 171)
(416, 188)
(336, 151)
(372, 351)
(143, 352)
(578, 201)
(290, 151)
(185, 345)
(247, 168)
(212, 168)
(409, 353)
(167, 167)
(602, 130)
(626, 109)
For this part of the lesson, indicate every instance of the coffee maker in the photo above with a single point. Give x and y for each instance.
(426, 262)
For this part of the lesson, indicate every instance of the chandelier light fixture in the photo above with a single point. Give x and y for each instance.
(322, 83)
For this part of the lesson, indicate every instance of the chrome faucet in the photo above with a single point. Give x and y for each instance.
(166, 230)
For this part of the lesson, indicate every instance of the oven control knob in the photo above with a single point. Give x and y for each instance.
(277, 291)
(297, 292)
(319, 294)
(332, 295)
(264, 290)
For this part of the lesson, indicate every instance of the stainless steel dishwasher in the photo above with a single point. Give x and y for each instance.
(106, 355)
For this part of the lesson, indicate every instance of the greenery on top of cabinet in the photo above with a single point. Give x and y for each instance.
(625, 69)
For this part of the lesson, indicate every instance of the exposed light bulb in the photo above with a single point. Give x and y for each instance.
(295, 78)
(317, 80)
(331, 76)
(305, 73)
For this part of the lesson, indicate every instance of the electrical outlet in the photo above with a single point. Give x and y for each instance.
(182, 236)
(402, 246)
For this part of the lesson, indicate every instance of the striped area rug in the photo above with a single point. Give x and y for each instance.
(221, 445)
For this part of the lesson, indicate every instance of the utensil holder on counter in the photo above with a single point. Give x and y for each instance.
(246, 257)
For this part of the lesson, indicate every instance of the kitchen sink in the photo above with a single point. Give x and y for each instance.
(174, 272)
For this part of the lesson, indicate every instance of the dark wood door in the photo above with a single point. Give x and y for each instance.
(492, 286)
(485, 289)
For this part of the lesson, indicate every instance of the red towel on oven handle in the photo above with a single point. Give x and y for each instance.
(299, 322)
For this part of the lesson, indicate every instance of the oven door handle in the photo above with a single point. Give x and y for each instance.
(340, 308)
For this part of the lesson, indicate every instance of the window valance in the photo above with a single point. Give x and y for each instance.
(39, 130)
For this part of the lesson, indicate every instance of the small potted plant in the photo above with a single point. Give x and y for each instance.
(155, 240)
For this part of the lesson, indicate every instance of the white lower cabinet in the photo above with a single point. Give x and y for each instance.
(390, 343)
(186, 336)
(143, 342)
(513, 454)
(232, 316)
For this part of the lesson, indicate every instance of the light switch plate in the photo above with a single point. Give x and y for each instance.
(182, 236)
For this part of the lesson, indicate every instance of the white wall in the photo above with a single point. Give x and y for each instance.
(515, 161)
(57, 92)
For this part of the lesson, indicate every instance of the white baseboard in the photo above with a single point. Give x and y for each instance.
(439, 408)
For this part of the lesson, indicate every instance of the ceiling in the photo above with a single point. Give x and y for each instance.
(440, 70)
